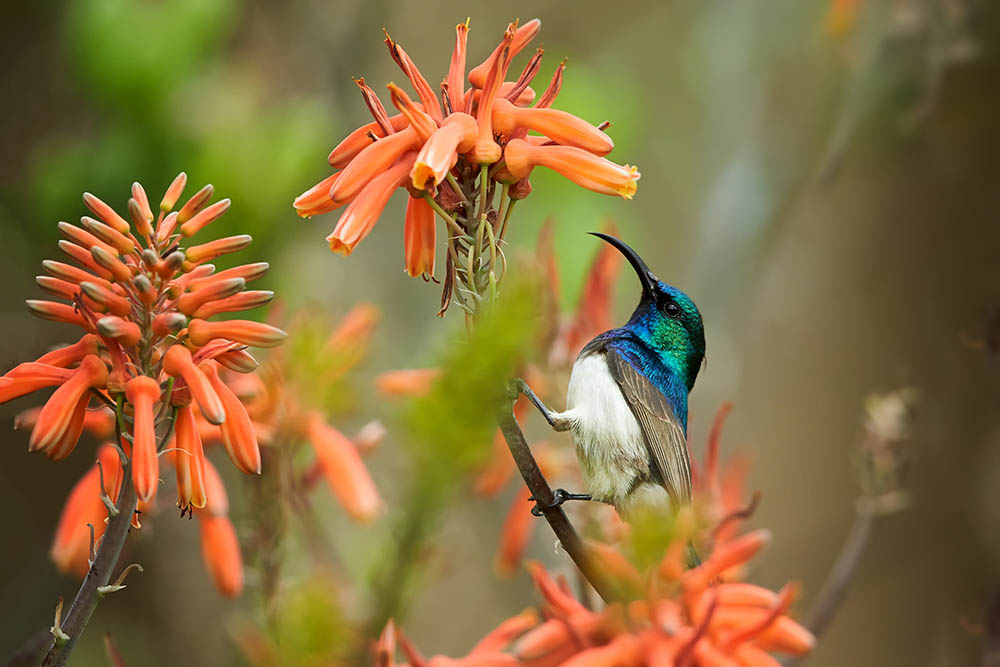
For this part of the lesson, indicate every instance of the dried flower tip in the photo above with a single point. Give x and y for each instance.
(205, 217)
(105, 213)
(177, 362)
(194, 204)
(209, 251)
(254, 334)
(121, 243)
(173, 193)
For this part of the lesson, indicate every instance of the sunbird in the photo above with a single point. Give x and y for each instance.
(627, 400)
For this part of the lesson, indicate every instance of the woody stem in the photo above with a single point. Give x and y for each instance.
(542, 493)
(99, 575)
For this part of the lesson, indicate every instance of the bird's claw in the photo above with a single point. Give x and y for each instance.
(559, 496)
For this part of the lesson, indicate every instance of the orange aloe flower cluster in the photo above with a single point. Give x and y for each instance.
(148, 364)
(672, 616)
(688, 617)
(454, 155)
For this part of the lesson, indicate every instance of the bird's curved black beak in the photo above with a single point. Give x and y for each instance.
(646, 277)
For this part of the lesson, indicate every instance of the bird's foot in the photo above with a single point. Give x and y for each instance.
(559, 496)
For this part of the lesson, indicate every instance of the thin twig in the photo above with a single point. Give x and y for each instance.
(542, 492)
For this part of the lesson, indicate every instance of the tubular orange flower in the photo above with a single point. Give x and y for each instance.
(364, 211)
(57, 416)
(254, 334)
(515, 533)
(360, 139)
(142, 392)
(456, 135)
(521, 38)
(346, 474)
(563, 128)
(221, 553)
(189, 460)
(317, 200)
(418, 120)
(371, 163)
(238, 434)
(586, 170)
(418, 238)
(178, 363)
(205, 217)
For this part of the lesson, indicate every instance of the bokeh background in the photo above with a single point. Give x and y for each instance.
(822, 177)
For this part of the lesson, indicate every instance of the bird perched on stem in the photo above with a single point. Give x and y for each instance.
(627, 400)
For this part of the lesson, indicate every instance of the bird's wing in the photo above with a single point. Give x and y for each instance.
(663, 432)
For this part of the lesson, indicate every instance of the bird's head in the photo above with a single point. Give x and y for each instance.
(666, 319)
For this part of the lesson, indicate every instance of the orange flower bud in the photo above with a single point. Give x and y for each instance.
(350, 338)
(521, 38)
(735, 552)
(209, 251)
(166, 226)
(238, 361)
(143, 392)
(246, 271)
(105, 213)
(84, 257)
(362, 214)
(173, 192)
(254, 334)
(165, 324)
(191, 301)
(221, 552)
(372, 164)
(418, 238)
(139, 195)
(194, 204)
(57, 416)
(560, 126)
(360, 139)
(205, 217)
(345, 473)
(506, 632)
(71, 543)
(456, 135)
(177, 362)
(237, 430)
(216, 498)
(69, 272)
(112, 302)
(62, 289)
(408, 382)
(125, 332)
(83, 238)
(117, 268)
(66, 442)
(247, 300)
(189, 460)
(583, 168)
(139, 218)
(57, 312)
(121, 243)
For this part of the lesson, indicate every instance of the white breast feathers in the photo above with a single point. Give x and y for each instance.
(609, 442)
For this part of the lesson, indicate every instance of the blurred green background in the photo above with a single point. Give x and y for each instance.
(828, 195)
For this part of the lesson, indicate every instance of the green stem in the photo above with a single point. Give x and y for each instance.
(444, 214)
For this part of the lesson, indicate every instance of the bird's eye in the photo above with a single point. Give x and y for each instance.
(672, 310)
